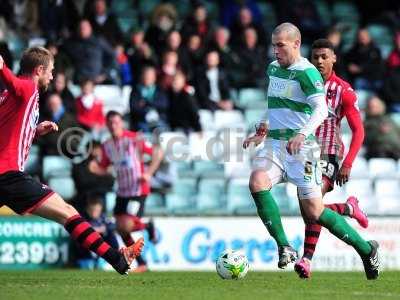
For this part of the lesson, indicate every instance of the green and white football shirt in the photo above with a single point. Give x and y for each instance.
(288, 97)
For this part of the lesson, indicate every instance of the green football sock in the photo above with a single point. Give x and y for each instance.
(338, 226)
(268, 211)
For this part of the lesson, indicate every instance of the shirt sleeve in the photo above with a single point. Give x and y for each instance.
(18, 86)
(105, 160)
(311, 82)
(352, 113)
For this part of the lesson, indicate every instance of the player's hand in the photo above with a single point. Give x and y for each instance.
(295, 143)
(1, 62)
(256, 139)
(146, 177)
(343, 175)
(45, 127)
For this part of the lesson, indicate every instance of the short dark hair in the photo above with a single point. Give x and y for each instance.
(34, 57)
(113, 113)
(322, 43)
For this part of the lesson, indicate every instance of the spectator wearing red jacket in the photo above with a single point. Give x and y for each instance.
(89, 108)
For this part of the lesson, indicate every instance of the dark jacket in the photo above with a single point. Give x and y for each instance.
(91, 57)
(183, 112)
(141, 105)
(110, 29)
(203, 89)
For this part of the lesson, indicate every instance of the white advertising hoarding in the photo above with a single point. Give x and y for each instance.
(195, 243)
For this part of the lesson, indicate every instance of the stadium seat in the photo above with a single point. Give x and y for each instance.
(362, 189)
(56, 166)
(110, 199)
(387, 193)
(396, 118)
(208, 168)
(75, 89)
(207, 146)
(211, 197)
(232, 141)
(292, 202)
(380, 34)
(154, 204)
(228, 119)
(186, 187)
(362, 98)
(147, 6)
(345, 10)
(360, 168)
(382, 167)
(32, 165)
(253, 116)
(183, 168)
(239, 200)
(112, 97)
(178, 204)
(269, 18)
(237, 167)
(175, 145)
(206, 119)
(252, 98)
(324, 11)
(64, 186)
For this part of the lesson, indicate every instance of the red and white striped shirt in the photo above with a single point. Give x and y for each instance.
(19, 115)
(126, 155)
(342, 101)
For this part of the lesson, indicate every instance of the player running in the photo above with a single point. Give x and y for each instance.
(296, 108)
(19, 114)
(342, 102)
(125, 151)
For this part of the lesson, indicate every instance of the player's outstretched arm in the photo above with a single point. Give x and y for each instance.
(258, 137)
(9, 79)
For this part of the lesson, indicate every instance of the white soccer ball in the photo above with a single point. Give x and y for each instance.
(232, 264)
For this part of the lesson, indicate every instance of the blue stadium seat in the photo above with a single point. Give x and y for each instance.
(56, 166)
(239, 200)
(64, 186)
(252, 98)
(253, 116)
(208, 168)
(228, 119)
(362, 189)
(179, 204)
(206, 119)
(211, 198)
(32, 165)
(154, 204)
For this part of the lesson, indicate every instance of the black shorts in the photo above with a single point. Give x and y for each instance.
(130, 205)
(20, 192)
(330, 168)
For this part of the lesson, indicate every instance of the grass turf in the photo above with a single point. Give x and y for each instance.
(67, 284)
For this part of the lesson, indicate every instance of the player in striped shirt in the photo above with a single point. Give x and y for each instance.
(125, 151)
(342, 102)
(19, 114)
(296, 108)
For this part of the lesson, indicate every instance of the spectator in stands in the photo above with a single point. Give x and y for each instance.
(163, 21)
(140, 54)
(391, 90)
(56, 112)
(60, 86)
(105, 24)
(62, 63)
(92, 57)
(393, 61)
(382, 134)
(183, 111)
(212, 86)
(230, 9)
(305, 15)
(125, 71)
(94, 214)
(197, 23)
(252, 62)
(168, 69)
(228, 58)
(148, 103)
(87, 182)
(58, 19)
(174, 43)
(89, 108)
(244, 21)
(24, 17)
(192, 56)
(364, 63)
(335, 37)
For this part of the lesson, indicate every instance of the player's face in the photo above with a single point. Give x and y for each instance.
(115, 125)
(45, 76)
(323, 59)
(285, 48)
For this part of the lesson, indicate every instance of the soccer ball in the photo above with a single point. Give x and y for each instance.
(232, 264)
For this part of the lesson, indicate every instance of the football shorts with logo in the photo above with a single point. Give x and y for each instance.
(303, 169)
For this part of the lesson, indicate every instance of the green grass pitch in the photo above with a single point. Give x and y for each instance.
(68, 284)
